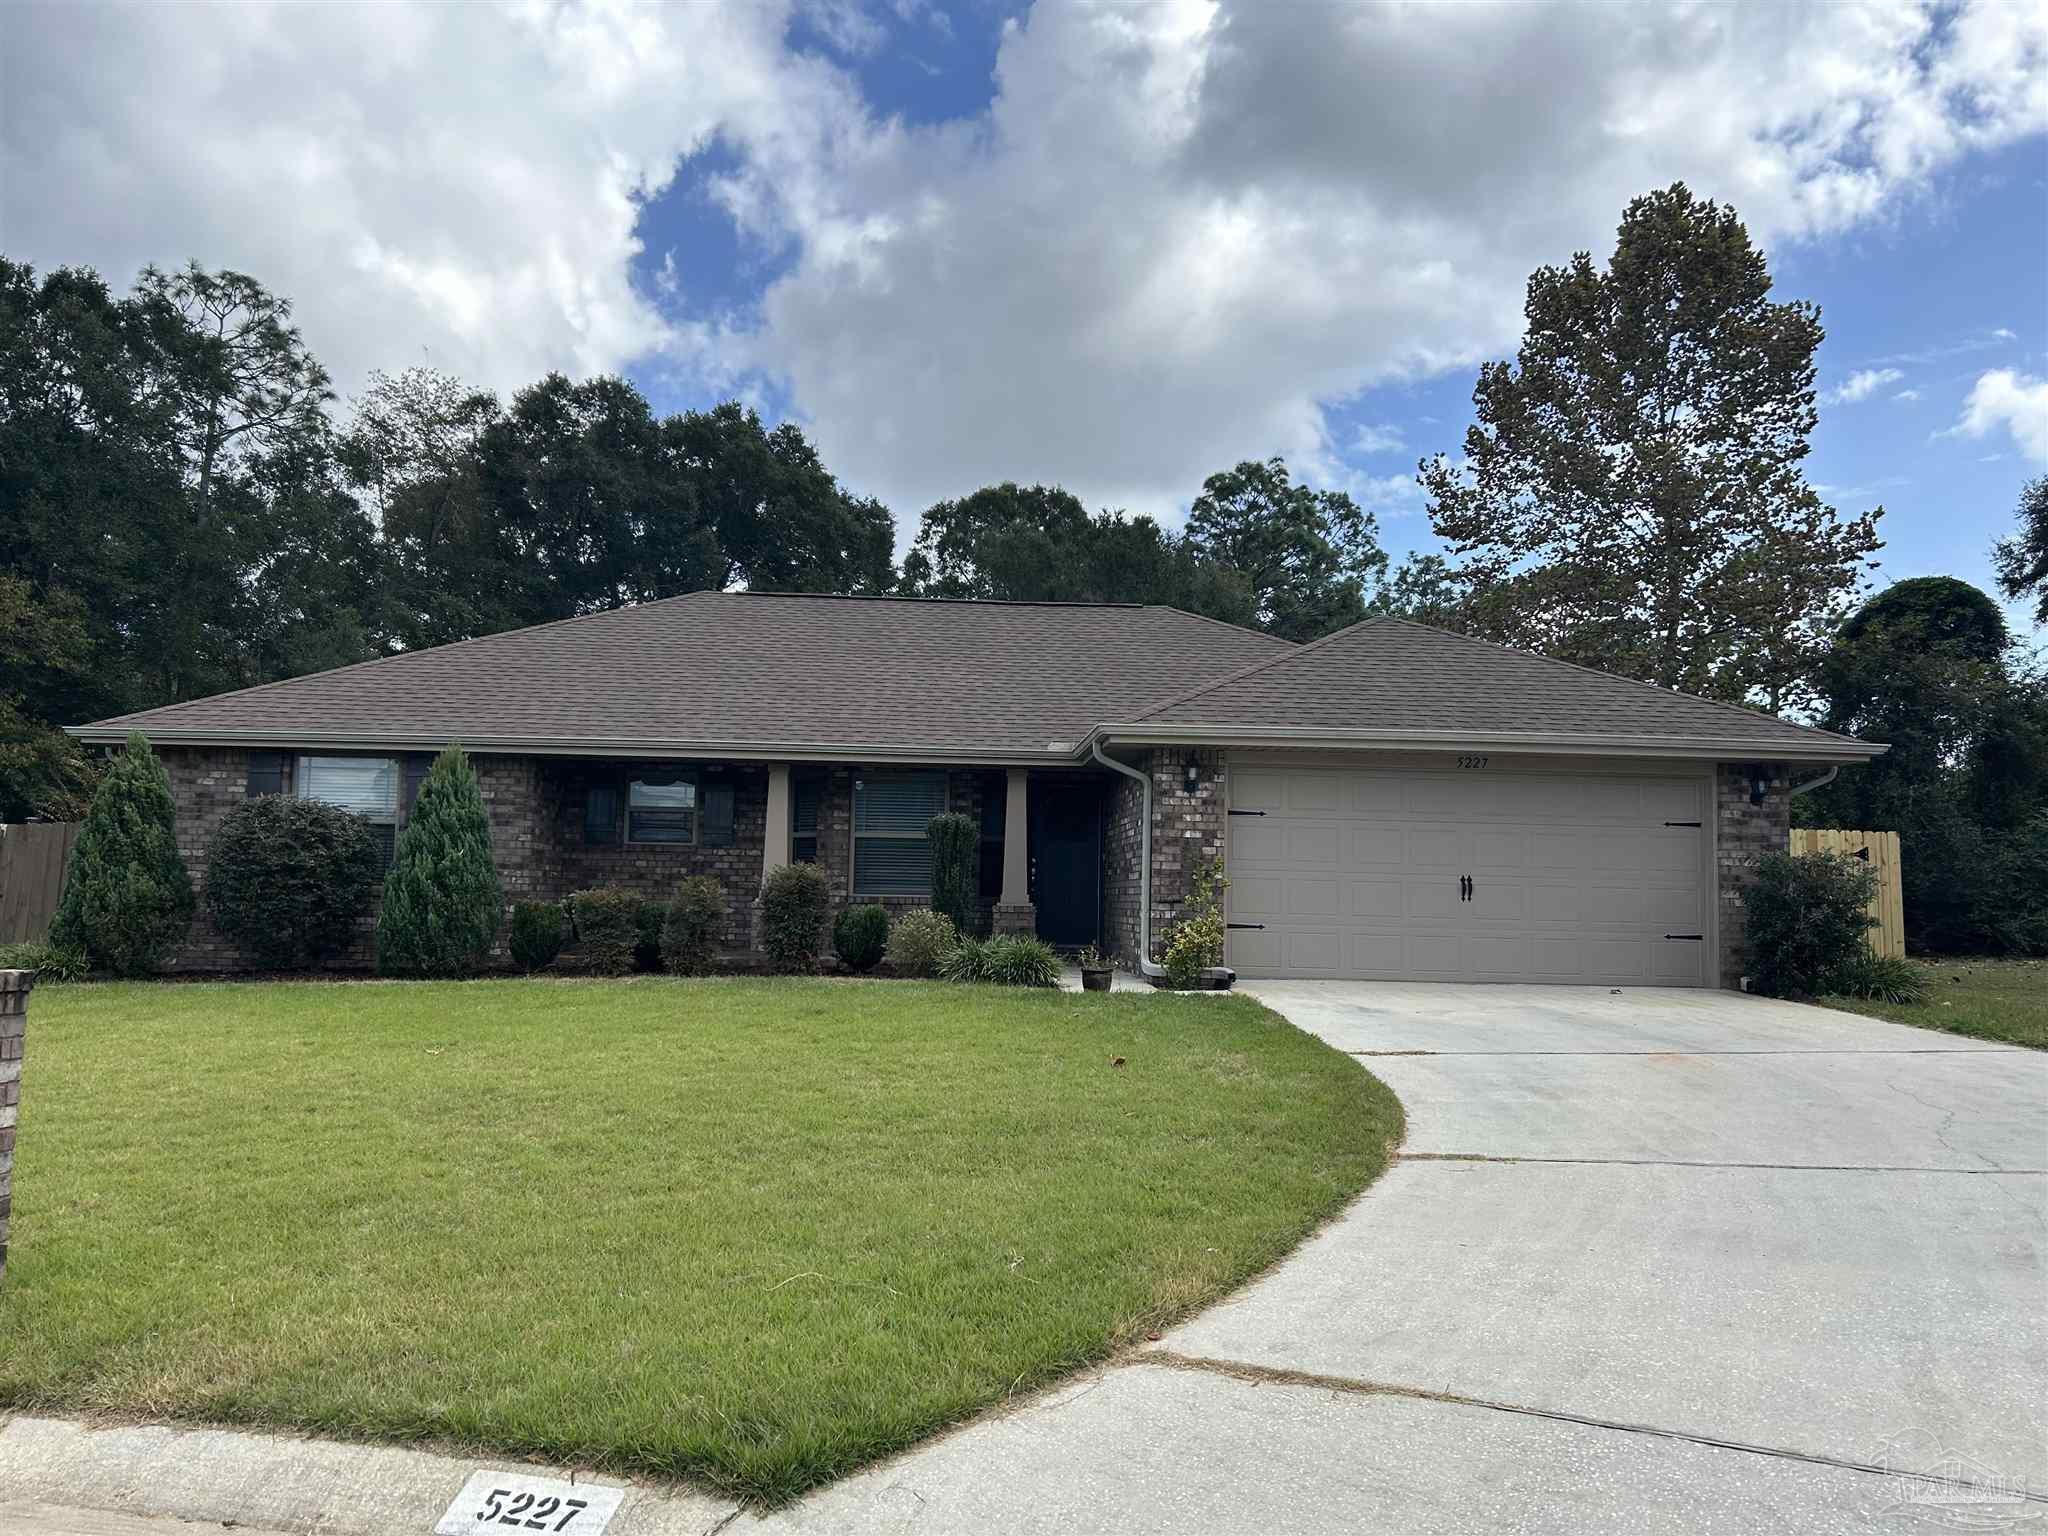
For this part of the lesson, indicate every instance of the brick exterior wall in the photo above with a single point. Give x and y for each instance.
(1743, 833)
(207, 783)
(965, 792)
(14, 987)
(1187, 834)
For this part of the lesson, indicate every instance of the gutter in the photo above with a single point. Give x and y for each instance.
(1824, 748)
(1825, 779)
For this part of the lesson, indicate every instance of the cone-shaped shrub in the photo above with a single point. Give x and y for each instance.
(127, 899)
(442, 904)
(956, 868)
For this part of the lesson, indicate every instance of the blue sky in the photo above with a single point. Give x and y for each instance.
(1116, 247)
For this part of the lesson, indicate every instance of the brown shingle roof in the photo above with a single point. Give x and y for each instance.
(711, 669)
(1402, 678)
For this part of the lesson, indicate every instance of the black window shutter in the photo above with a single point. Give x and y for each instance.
(718, 815)
(266, 773)
(601, 814)
(415, 767)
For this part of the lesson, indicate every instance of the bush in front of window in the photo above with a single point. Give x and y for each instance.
(288, 880)
(127, 899)
(442, 901)
(793, 900)
(535, 935)
(956, 868)
(694, 924)
(652, 918)
(860, 936)
(1805, 919)
(920, 941)
(607, 921)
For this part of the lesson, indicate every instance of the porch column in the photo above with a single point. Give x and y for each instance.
(1014, 912)
(775, 843)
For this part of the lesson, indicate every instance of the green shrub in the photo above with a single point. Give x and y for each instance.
(607, 928)
(48, 961)
(650, 920)
(860, 936)
(127, 900)
(920, 941)
(442, 901)
(1882, 978)
(956, 868)
(793, 900)
(967, 960)
(1195, 943)
(288, 880)
(1019, 960)
(695, 923)
(1804, 920)
(535, 937)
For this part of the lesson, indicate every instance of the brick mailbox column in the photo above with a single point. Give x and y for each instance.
(14, 987)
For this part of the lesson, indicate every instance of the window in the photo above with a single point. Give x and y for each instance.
(805, 795)
(661, 813)
(891, 856)
(366, 785)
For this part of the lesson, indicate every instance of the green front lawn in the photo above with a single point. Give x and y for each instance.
(1988, 999)
(754, 1232)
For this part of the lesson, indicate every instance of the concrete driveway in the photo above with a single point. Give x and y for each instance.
(1651, 1260)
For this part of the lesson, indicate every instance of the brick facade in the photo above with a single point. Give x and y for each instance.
(1120, 854)
(1187, 834)
(1743, 833)
(14, 986)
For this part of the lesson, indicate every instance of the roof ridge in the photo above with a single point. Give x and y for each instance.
(431, 650)
(1241, 629)
(965, 602)
(1259, 666)
(1616, 677)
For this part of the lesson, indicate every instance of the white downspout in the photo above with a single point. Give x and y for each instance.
(1819, 783)
(1146, 966)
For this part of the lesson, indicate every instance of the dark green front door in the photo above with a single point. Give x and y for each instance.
(1066, 860)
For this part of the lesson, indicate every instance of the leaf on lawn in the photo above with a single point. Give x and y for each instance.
(1116, 1061)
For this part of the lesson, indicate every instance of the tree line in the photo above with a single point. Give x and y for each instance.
(186, 508)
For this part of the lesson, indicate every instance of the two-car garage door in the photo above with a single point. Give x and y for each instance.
(1469, 874)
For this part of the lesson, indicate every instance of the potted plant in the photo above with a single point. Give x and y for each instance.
(1095, 971)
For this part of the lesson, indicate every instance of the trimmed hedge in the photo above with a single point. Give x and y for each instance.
(127, 899)
(693, 926)
(793, 901)
(535, 937)
(288, 880)
(920, 941)
(607, 922)
(861, 936)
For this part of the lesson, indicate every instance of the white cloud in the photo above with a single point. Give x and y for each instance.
(1907, 394)
(2002, 334)
(2014, 402)
(1378, 437)
(1177, 232)
(1861, 385)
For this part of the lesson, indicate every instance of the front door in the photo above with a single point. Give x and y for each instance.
(1066, 861)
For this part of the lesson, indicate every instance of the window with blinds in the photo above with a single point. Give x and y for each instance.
(367, 786)
(661, 813)
(805, 796)
(891, 855)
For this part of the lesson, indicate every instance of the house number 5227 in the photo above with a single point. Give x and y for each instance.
(503, 1502)
(1471, 762)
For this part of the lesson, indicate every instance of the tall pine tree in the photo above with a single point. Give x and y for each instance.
(1632, 496)
(442, 901)
(127, 899)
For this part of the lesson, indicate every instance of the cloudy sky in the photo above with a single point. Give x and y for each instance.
(1116, 247)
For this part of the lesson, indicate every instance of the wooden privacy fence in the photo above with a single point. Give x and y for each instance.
(1880, 850)
(32, 859)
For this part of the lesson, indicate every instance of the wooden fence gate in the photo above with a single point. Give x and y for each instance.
(1880, 850)
(32, 859)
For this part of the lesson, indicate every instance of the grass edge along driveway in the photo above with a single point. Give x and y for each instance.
(1985, 999)
(753, 1233)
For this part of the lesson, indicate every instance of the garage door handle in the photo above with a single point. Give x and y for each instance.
(1244, 813)
(1464, 888)
(1681, 823)
(1244, 925)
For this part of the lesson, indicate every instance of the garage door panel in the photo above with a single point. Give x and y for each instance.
(1575, 878)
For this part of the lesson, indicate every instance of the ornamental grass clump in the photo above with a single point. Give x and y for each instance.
(442, 901)
(127, 899)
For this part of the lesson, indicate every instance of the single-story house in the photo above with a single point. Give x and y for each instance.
(1391, 801)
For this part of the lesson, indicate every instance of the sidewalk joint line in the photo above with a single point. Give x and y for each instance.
(1273, 1376)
